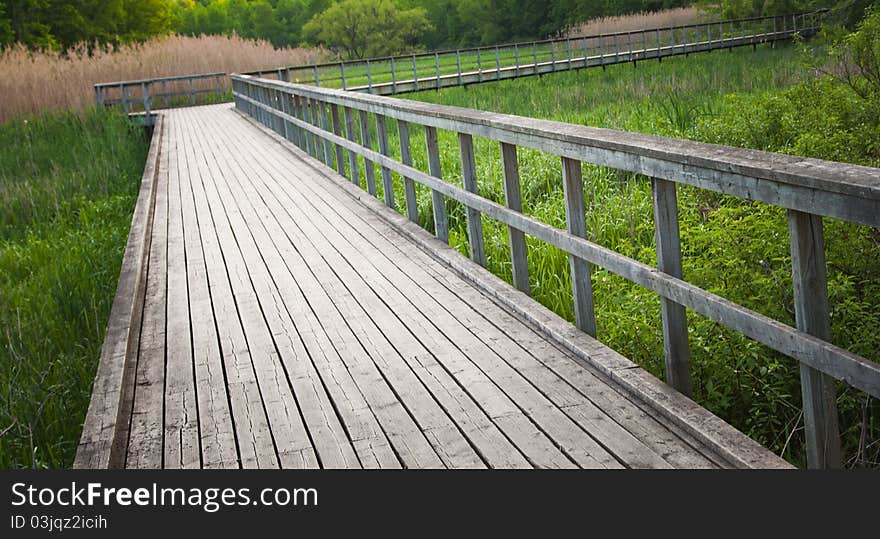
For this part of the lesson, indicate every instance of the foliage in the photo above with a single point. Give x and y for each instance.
(68, 184)
(857, 58)
(367, 28)
(59, 24)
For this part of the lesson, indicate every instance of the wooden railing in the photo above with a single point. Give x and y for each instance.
(144, 95)
(316, 118)
(416, 72)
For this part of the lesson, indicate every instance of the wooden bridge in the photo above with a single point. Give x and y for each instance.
(272, 312)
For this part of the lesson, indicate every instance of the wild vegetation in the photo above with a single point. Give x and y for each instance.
(35, 81)
(68, 183)
(770, 100)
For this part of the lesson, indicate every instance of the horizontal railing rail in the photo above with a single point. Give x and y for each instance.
(145, 94)
(323, 122)
(420, 71)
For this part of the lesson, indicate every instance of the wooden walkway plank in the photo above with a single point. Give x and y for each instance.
(431, 417)
(181, 437)
(255, 441)
(445, 344)
(219, 448)
(324, 427)
(292, 442)
(461, 344)
(407, 438)
(145, 436)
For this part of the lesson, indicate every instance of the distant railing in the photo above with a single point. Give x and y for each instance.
(415, 72)
(145, 94)
(316, 118)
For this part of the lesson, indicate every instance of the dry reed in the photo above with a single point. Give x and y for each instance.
(35, 81)
(637, 21)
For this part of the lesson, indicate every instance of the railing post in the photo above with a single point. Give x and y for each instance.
(813, 317)
(479, 67)
(535, 57)
(458, 64)
(305, 136)
(337, 130)
(441, 220)
(497, 64)
(415, 73)
(469, 179)
(192, 92)
(516, 58)
(165, 93)
(568, 52)
(312, 119)
(369, 171)
(123, 95)
(387, 180)
(587, 53)
(437, 69)
(393, 78)
(352, 156)
(582, 288)
(317, 77)
(513, 199)
(342, 74)
(325, 125)
(99, 96)
(369, 79)
(675, 333)
(409, 186)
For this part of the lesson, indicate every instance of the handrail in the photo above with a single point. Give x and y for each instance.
(808, 188)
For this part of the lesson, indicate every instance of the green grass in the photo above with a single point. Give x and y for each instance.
(68, 184)
(734, 248)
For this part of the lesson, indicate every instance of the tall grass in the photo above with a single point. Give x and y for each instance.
(68, 183)
(35, 81)
(732, 247)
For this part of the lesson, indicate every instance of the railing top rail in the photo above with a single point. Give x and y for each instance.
(528, 43)
(159, 79)
(751, 174)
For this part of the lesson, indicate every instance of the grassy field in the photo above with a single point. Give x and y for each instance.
(68, 183)
(734, 248)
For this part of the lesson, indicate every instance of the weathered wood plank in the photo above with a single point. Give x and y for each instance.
(582, 288)
(387, 181)
(218, 439)
(441, 220)
(814, 317)
(519, 257)
(675, 334)
(409, 186)
(181, 438)
(107, 418)
(469, 179)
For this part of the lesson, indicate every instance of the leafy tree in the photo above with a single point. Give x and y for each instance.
(360, 28)
(6, 35)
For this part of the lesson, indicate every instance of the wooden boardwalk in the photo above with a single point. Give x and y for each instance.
(282, 322)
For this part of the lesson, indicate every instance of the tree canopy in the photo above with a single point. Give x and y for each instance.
(366, 28)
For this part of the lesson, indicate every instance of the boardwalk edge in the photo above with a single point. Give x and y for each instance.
(102, 443)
